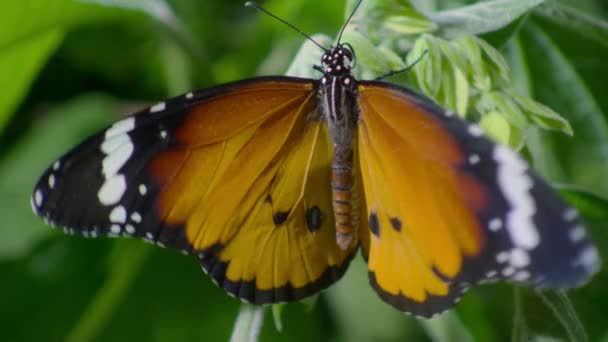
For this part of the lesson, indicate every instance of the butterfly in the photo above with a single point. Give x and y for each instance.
(275, 183)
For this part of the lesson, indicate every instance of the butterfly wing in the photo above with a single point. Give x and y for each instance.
(238, 175)
(448, 208)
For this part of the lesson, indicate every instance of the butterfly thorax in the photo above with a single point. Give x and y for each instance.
(338, 106)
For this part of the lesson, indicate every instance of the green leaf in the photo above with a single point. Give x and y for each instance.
(477, 69)
(23, 20)
(156, 8)
(409, 25)
(483, 17)
(544, 116)
(391, 16)
(371, 60)
(61, 129)
(562, 309)
(499, 129)
(163, 13)
(428, 72)
(307, 56)
(580, 159)
(454, 55)
(500, 37)
(19, 66)
(590, 205)
(520, 330)
(454, 91)
(125, 263)
(582, 23)
(496, 60)
(31, 31)
(507, 107)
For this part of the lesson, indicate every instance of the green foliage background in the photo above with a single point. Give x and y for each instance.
(67, 68)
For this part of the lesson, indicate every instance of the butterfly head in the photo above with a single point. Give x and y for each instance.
(338, 60)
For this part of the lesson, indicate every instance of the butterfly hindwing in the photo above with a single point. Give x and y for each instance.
(235, 174)
(448, 208)
(286, 249)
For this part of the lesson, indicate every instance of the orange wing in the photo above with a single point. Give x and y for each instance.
(448, 208)
(238, 175)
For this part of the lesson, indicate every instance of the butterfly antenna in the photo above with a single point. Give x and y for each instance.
(348, 20)
(259, 7)
(404, 69)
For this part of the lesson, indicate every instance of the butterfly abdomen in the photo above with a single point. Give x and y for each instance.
(341, 190)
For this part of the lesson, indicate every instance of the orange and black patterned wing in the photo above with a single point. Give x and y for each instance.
(447, 208)
(238, 175)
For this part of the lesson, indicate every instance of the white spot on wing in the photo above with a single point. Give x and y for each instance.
(56, 165)
(502, 257)
(189, 95)
(522, 275)
(570, 214)
(130, 229)
(114, 142)
(117, 159)
(515, 184)
(112, 190)
(120, 127)
(519, 258)
(158, 107)
(136, 217)
(38, 198)
(474, 159)
(577, 233)
(495, 224)
(115, 229)
(475, 130)
(508, 271)
(589, 259)
(142, 189)
(52, 181)
(118, 214)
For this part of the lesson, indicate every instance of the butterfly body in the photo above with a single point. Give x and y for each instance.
(275, 183)
(338, 91)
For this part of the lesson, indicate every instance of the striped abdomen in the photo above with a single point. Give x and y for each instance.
(341, 192)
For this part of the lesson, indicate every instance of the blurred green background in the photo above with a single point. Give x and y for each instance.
(68, 68)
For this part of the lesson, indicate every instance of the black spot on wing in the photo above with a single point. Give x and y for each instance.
(313, 219)
(280, 217)
(374, 225)
(396, 224)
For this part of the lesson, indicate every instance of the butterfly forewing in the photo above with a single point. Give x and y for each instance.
(449, 208)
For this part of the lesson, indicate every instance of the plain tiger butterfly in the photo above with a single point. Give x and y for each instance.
(275, 183)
